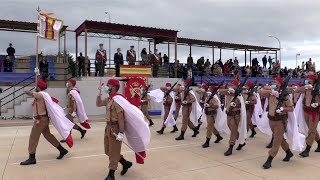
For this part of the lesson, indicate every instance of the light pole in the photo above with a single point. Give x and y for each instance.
(297, 59)
(279, 47)
(109, 40)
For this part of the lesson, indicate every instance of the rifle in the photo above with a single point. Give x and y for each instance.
(252, 90)
(223, 97)
(168, 92)
(284, 92)
(186, 91)
(145, 92)
(239, 89)
(211, 96)
(315, 90)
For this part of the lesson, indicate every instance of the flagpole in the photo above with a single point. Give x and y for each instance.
(36, 70)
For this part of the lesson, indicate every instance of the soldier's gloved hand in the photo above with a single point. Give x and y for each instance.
(119, 136)
(209, 93)
(295, 88)
(246, 91)
(275, 93)
(233, 104)
(314, 105)
(231, 90)
(184, 102)
(206, 105)
(143, 100)
(309, 86)
(280, 110)
(247, 102)
(74, 114)
(164, 99)
(176, 97)
(201, 101)
(222, 105)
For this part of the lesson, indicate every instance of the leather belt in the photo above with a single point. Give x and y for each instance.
(112, 123)
(213, 112)
(233, 113)
(278, 118)
(40, 116)
(306, 108)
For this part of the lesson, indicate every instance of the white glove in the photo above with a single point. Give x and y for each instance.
(231, 90)
(206, 105)
(176, 97)
(184, 102)
(222, 105)
(280, 110)
(275, 93)
(247, 102)
(143, 100)
(309, 86)
(201, 101)
(119, 136)
(74, 114)
(246, 91)
(233, 104)
(209, 93)
(295, 88)
(164, 99)
(314, 105)
(36, 70)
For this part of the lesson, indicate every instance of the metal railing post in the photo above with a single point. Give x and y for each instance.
(14, 101)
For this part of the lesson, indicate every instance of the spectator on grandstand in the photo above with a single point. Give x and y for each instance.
(303, 65)
(247, 70)
(265, 72)
(190, 60)
(10, 50)
(144, 57)
(220, 63)
(285, 71)
(89, 68)
(226, 68)
(207, 67)
(81, 64)
(118, 60)
(160, 58)
(264, 61)
(44, 68)
(270, 61)
(236, 60)
(308, 64)
(216, 71)
(7, 65)
(165, 60)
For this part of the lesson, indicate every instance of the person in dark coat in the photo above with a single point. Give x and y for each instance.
(118, 60)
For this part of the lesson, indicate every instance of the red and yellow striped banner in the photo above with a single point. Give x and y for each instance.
(49, 27)
(135, 71)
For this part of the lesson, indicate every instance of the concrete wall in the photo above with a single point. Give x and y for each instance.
(89, 89)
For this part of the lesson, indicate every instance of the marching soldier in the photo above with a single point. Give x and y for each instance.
(166, 106)
(115, 124)
(278, 120)
(187, 100)
(310, 106)
(155, 61)
(144, 105)
(41, 125)
(131, 56)
(101, 57)
(203, 94)
(211, 113)
(234, 116)
(177, 100)
(250, 102)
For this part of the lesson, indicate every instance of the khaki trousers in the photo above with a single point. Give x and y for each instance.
(233, 123)
(249, 120)
(277, 128)
(186, 110)
(176, 115)
(312, 133)
(210, 127)
(166, 114)
(112, 147)
(144, 109)
(37, 130)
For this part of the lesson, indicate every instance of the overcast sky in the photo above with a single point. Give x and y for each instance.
(294, 22)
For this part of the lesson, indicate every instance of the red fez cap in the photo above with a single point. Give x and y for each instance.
(113, 82)
(234, 83)
(73, 82)
(204, 86)
(312, 77)
(299, 84)
(41, 84)
(178, 84)
(187, 81)
(212, 87)
(168, 84)
(249, 84)
(279, 79)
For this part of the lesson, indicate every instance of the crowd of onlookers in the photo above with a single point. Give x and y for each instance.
(268, 68)
(7, 64)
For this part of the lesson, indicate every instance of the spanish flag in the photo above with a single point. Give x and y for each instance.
(49, 27)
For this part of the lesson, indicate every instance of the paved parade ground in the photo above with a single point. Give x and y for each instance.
(167, 159)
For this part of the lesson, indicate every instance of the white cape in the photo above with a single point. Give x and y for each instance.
(136, 129)
(263, 122)
(156, 95)
(81, 113)
(257, 110)
(242, 128)
(170, 119)
(57, 116)
(221, 123)
(196, 111)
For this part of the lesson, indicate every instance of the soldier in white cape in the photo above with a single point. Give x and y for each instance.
(123, 119)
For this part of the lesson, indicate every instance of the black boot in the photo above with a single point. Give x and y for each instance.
(31, 160)
(206, 144)
(289, 155)
(318, 148)
(174, 129)
(267, 164)
(125, 166)
(195, 132)
(62, 141)
(253, 133)
(269, 146)
(161, 130)
(63, 152)
(219, 138)
(181, 137)
(199, 125)
(82, 131)
(240, 146)
(110, 175)
(229, 151)
(305, 153)
(150, 123)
